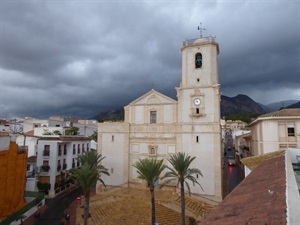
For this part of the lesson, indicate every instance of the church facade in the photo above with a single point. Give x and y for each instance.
(158, 126)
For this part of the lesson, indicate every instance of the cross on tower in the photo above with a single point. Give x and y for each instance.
(201, 29)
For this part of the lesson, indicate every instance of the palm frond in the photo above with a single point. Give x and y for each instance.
(149, 170)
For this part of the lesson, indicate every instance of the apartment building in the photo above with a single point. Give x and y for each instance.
(234, 125)
(12, 177)
(56, 155)
(275, 131)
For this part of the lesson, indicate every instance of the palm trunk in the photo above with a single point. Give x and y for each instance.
(182, 203)
(86, 207)
(153, 206)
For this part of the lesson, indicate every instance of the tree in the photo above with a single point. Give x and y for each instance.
(87, 175)
(91, 158)
(182, 173)
(150, 170)
(94, 136)
(72, 131)
(56, 132)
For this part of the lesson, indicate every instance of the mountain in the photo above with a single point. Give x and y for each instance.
(112, 115)
(274, 106)
(293, 106)
(236, 105)
(240, 104)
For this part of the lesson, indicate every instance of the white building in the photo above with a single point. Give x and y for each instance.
(56, 156)
(235, 125)
(276, 131)
(158, 126)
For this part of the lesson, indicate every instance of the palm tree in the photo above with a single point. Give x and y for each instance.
(150, 170)
(87, 175)
(91, 157)
(182, 173)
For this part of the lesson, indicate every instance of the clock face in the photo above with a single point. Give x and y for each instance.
(197, 101)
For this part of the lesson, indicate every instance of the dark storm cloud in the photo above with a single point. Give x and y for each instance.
(76, 58)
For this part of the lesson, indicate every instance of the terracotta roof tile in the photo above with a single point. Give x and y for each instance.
(258, 199)
(252, 162)
(283, 113)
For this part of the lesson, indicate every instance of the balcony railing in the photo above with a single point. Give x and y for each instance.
(45, 168)
(64, 166)
(191, 41)
(58, 168)
(46, 153)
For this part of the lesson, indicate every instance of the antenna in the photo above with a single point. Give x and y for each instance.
(201, 29)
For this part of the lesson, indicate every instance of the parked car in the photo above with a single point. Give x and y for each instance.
(231, 160)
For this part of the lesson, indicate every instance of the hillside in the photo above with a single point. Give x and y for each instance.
(240, 104)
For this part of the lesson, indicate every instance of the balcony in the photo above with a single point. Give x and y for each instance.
(64, 166)
(58, 168)
(45, 168)
(46, 153)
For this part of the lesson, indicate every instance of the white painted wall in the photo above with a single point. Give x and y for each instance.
(292, 191)
(4, 143)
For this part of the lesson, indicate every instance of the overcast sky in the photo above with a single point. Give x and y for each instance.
(79, 57)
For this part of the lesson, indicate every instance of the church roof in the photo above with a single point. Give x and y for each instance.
(153, 97)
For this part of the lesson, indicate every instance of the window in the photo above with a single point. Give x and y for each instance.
(65, 149)
(291, 131)
(64, 164)
(197, 111)
(83, 150)
(112, 137)
(45, 167)
(59, 150)
(87, 147)
(46, 150)
(198, 60)
(78, 149)
(197, 139)
(152, 116)
(74, 149)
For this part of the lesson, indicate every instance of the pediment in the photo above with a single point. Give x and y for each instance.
(153, 98)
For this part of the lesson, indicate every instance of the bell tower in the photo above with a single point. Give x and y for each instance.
(199, 112)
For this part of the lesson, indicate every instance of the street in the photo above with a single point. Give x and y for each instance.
(54, 215)
(233, 173)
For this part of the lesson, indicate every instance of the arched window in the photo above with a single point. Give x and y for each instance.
(198, 60)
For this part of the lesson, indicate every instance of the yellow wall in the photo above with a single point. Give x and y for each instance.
(13, 167)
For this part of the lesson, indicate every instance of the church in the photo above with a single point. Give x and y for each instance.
(156, 125)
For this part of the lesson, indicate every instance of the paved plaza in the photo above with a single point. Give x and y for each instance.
(127, 206)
